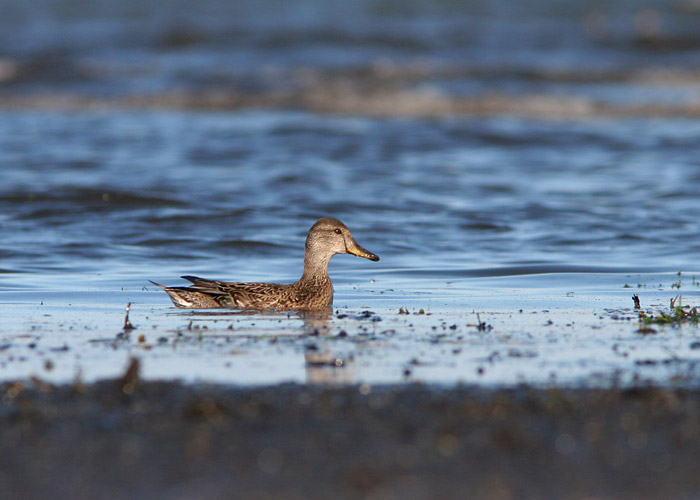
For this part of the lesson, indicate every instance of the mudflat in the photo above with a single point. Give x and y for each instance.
(129, 438)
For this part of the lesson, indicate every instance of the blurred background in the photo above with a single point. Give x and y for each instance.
(151, 138)
(371, 56)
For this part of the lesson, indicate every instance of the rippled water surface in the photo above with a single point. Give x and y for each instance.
(622, 50)
(234, 194)
(535, 168)
(490, 216)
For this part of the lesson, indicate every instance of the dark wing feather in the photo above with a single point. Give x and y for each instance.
(243, 295)
(205, 284)
(189, 297)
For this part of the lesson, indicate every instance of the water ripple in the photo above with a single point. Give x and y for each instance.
(568, 196)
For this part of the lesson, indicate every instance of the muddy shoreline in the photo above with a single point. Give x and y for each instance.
(134, 439)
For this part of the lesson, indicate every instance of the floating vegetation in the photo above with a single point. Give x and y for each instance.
(675, 285)
(678, 315)
(678, 283)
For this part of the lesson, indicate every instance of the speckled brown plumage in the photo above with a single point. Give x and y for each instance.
(314, 289)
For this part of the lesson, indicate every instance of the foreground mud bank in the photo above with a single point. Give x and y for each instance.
(134, 439)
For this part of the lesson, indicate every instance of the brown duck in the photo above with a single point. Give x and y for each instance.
(314, 289)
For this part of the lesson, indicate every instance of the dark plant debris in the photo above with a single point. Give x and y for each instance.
(127, 324)
(482, 326)
(676, 316)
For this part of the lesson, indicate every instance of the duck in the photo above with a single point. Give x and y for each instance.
(314, 290)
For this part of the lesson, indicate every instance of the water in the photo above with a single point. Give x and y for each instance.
(148, 144)
(142, 46)
(89, 192)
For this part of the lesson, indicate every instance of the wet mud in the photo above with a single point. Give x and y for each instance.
(129, 438)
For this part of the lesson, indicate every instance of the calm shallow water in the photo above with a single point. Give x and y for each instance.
(546, 330)
(140, 142)
(489, 216)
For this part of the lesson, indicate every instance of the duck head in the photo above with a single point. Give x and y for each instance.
(329, 236)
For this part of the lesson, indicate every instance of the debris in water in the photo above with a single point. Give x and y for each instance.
(314, 357)
(481, 325)
(678, 315)
(127, 324)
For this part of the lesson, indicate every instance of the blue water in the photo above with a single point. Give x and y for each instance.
(617, 51)
(498, 158)
(234, 193)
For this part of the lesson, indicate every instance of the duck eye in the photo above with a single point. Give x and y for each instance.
(338, 231)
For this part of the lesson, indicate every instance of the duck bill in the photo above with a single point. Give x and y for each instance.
(356, 249)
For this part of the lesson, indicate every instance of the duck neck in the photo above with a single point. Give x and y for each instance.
(315, 266)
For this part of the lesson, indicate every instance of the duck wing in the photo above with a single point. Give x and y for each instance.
(241, 295)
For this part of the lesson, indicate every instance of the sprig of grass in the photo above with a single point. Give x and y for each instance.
(677, 315)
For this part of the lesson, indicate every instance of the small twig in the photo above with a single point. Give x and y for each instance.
(481, 325)
(673, 302)
(127, 324)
